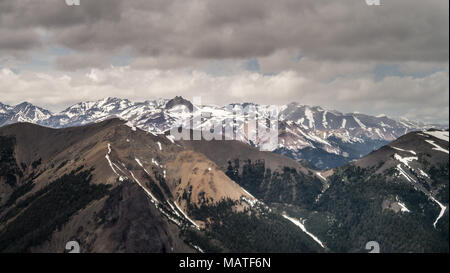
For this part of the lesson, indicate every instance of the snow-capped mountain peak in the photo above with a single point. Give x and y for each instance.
(23, 112)
(325, 137)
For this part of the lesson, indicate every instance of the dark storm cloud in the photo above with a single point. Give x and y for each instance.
(399, 30)
(305, 50)
(22, 40)
(56, 14)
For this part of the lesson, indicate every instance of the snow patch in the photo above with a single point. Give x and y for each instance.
(129, 124)
(402, 205)
(309, 115)
(443, 208)
(359, 122)
(111, 165)
(423, 173)
(324, 119)
(248, 193)
(187, 217)
(320, 175)
(405, 160)
(437, 147)
(302, 227)
(442, 135)
(155, 163)
(402, 172)
(152, 198)
(142, 166)
(197, 248)
(171, 138)
(407, 151)
(344, 122)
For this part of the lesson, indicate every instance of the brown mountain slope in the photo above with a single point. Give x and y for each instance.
(223, 151)
(131, 188)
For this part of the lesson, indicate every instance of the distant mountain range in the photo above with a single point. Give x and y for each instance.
(322, 138)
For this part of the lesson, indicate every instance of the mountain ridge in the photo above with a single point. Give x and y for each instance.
(116, 188)
(326, 138)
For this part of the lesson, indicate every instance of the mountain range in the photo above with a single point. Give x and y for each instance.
(321, 138)
(113, 187)
(116, 188)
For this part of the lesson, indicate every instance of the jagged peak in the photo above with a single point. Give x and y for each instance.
(179, 100)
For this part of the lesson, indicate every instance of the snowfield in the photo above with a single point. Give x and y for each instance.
(442, 135)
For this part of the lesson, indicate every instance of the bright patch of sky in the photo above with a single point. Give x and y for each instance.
(383, 70)
(252, 65)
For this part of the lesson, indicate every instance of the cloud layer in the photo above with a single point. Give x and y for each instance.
(362, 94)
(347, 55)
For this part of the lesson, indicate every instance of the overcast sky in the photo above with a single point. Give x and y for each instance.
(390, 59)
